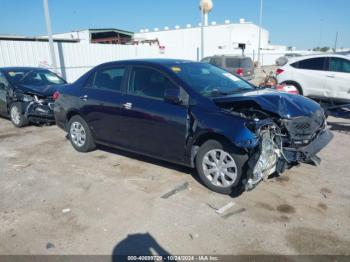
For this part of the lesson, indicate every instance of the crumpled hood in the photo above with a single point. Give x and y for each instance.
(38, 90)
(283, 104)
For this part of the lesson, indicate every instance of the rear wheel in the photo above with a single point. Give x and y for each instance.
(220, 167)
(80, 135)
(18, 119)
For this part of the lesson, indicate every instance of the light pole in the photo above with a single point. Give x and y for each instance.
(205, 6)
(260, 25)
(49, 34)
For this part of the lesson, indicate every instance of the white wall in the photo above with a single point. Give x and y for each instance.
(219, 39)
(73, 59)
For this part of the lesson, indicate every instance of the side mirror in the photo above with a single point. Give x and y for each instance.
(2, 86)
(172, 95)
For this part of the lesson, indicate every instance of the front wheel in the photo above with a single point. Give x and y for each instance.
(18, 119)
(220, 167)
(80, 135)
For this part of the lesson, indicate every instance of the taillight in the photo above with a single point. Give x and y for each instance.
(56, 95)
(240, 72)
(279, 71)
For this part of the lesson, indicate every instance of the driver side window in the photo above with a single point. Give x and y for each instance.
(147, 82)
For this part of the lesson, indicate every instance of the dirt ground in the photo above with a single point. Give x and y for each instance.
(54, 200)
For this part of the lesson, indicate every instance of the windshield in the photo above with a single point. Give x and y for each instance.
(34, 77)
(209, 80)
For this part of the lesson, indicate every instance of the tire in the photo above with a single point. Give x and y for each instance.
(229, 180)
(17, 117)
(80, 135)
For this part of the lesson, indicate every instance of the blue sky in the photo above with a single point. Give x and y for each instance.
(290, 22)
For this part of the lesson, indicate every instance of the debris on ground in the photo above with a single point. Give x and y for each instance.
(225, 208)
(49, 245)
(20, 167)
(66, 210)
(181, 187)
(241, 210)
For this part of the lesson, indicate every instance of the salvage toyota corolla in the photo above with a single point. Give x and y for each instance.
(26, 94)
(194, 114)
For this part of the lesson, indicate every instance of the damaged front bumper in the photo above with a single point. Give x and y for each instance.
(306, 153)
(40, 111)
(272, 159)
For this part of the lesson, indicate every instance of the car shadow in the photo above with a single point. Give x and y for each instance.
(162, 163)
(138, 245)
(342, 127)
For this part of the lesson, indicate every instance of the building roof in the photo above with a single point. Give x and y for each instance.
(103, 30)
(38, 39)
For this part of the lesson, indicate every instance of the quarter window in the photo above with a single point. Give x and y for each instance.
(148, 82)
(318, 63)
(339, 65)
(110, 79)
(217, 61)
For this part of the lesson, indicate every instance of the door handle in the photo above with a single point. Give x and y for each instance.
(84, 98)
(127, 105)
(331, 76)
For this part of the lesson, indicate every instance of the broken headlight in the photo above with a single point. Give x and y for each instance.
(27, 98)
(266, 164)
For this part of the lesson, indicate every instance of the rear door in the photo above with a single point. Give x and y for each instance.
(311, 74)
(338, 78)
(153, 126)
(4, 85)
(100, 102)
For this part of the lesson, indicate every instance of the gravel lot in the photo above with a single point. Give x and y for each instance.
(54, 200)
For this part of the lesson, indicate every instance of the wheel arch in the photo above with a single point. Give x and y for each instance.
(201, 139)
(296, 84)
(72, 113)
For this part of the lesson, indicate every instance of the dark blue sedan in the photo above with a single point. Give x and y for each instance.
(193, 114)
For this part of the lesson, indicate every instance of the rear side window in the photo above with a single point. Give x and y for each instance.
(109, 79)
(319, 63)
(216, 61)
(147, 82)
(339, 65)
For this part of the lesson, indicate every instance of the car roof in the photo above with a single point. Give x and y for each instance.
(9, 68)
(300, 58)
(153, 61)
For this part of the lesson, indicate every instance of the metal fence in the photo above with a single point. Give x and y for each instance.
(74, 59)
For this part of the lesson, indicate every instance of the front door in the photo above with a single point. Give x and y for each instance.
(338, 78)
(153, 126)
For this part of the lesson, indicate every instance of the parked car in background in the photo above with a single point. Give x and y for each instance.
(239, 65)
(321, 77)
(284, 59)
(193, 114)
(26, 94)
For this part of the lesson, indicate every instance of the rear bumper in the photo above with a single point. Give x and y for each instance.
(305, 153)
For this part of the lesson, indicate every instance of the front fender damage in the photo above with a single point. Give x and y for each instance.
(283, 142)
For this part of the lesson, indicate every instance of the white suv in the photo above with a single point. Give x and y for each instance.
(318, 76)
